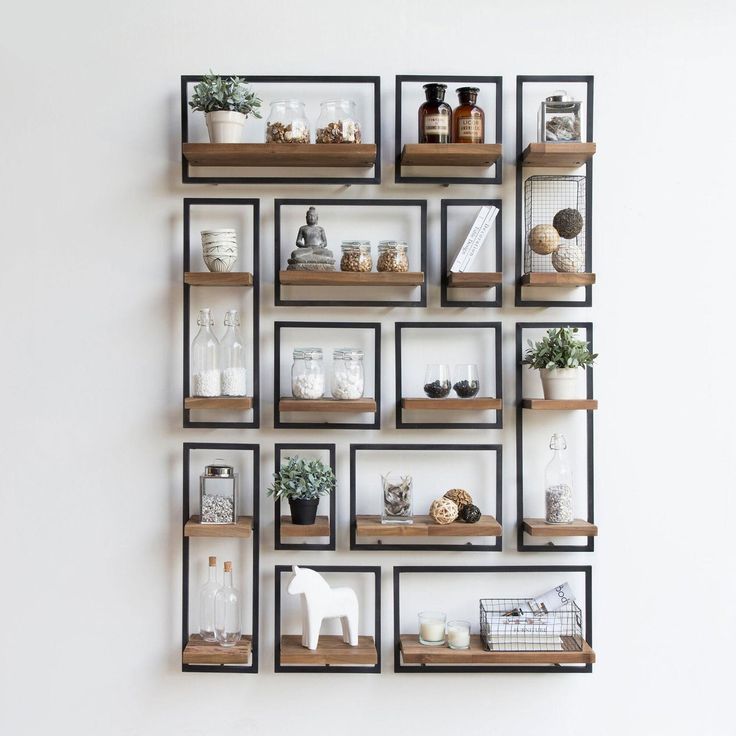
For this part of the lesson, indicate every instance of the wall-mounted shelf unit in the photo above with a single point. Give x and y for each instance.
(557, 155)
(348, 278)
(560, 404)
(267, 163)
(426, 526)
(201, 278)
(449, 163)
(200, 652)
(576, 528)
(242, 528)
(332, 654)
(562, 280)
(331, 406)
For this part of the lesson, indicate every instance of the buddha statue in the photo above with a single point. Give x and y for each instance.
(311, 253)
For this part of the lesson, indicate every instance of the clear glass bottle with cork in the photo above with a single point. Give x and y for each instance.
(227, 610)
(207, 595)
(468, 120)
(435, 115)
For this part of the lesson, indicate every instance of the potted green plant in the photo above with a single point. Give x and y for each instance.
(226, 104)
(559, 356)
(302, 482)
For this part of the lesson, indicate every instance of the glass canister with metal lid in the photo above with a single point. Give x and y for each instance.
(392, 256)
(348, 376)
(307, 374)
(356, 256)
(559, 119)
(218, 494)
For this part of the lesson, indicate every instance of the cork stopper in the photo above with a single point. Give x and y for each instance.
(228, 567)
(213, 561)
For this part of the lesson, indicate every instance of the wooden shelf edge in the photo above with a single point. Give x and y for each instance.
(483, 403)
(474, 279)
(331, 650)
(320, 528)
(223, 403)
(242, 528)
(198, 651)
(557, 155)
(351, 278)
(560, 404)
(424, 526)
(451, 154)
(347, 406)
(577, 528)
(214, 278)
(558, 280)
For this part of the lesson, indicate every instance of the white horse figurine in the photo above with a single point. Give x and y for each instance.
(319, 602)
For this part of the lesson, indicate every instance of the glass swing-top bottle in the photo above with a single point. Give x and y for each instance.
(227, 610)
(205, 358)
(232, 357)
(558, 484)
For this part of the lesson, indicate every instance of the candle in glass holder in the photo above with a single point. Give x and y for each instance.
(458, 635)
(432, 628)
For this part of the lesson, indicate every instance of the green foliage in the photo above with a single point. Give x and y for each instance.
(215, 93)
(559, 349)
(304, 479)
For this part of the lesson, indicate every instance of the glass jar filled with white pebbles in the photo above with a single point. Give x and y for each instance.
(348, 376)
(307, 374)
(218, 494)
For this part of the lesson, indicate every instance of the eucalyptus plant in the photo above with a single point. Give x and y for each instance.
(302, 479)
(214, 93)
(560, 348)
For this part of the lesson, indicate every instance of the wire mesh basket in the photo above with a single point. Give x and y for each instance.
(554, 224)
(505, 627)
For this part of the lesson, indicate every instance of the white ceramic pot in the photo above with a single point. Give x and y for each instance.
(225, 126)
(561, 383)
(219, 249)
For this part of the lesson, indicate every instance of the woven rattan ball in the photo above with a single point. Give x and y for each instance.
(470, 514)
(460, 497)
(544, 239)
(568, 223)
(569, 258)
(443, 511)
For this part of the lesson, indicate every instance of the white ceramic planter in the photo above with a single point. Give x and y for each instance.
(561, 383)
(225, 126)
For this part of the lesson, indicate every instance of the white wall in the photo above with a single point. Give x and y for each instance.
(91, 438)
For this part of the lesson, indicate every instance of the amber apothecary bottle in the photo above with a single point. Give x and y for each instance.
(435, 116)
(469, 121)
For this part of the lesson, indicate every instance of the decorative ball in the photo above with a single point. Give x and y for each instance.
(460, 497)
(568, 223)
(544, 239)
(470, 514)
(443, 510)
(569, 258)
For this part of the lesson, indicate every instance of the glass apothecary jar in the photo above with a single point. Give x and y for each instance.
(468, 120)
(205, 358)
(348, 376)
(435, 116)
(392, 256)
(287, 122)
(308, 374)
(437, 380)
(558, 501)
(218, 494)
(356, 256)
(232, 357)
(338, 123)
(396, 500)
(559, 119)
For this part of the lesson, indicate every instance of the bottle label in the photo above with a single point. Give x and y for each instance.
(470, 129)
(437, 125)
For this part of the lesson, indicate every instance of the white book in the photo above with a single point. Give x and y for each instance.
(474, 239)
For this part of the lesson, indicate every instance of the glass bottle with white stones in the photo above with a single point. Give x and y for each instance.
(558, 501)
(232, 357)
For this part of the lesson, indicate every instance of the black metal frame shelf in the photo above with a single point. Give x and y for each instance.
(498, 363)
(445, 204)
(255, 450)
(521, 80)
(360, 569)
(278, 326)
(280, 302)
(522, 546)
(467, 546)
(278, 543)
(402, 79)
(586, 570)
(190, 202)
(187, 177)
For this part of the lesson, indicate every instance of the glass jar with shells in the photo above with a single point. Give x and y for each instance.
(396, 499)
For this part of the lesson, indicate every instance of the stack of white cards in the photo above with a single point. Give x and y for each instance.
(475, 239)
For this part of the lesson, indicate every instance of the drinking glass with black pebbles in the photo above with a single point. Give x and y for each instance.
(437, 381)
(465, 383)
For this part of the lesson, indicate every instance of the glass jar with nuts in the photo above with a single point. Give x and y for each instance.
(356, 256)
(392, 256)
(287, 122)
(338, 123)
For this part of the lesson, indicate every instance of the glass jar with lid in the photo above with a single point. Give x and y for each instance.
(307, 374)
(558, 499)
(356, 256)
(435, 115)
(338, 123)
(559, 119)
(392, 256)
(287, 122)
(348, 376)
(468, 120)
(218, 494)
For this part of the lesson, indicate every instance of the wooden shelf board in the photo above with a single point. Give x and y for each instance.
(226, 403)
(320, 528)
(425, 526)
(565, 155)
(199, 651)
(350, 406)
(415, 653)
(350, 278)
(576, 528)
(450, 154)
(242, 528)
(208, 278)
(470, 279)
(480, 403)
(539, 278)
(331, 650)
(343, 155)
(560, 404)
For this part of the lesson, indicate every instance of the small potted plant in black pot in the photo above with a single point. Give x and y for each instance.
(302, 482)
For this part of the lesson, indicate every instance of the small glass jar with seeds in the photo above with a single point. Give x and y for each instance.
(338, 123)
(218, 493)
(356, 256)
(392, 256)
(287, 122)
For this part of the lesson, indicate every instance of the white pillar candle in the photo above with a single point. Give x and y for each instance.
(458, 635)
(432, 628)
